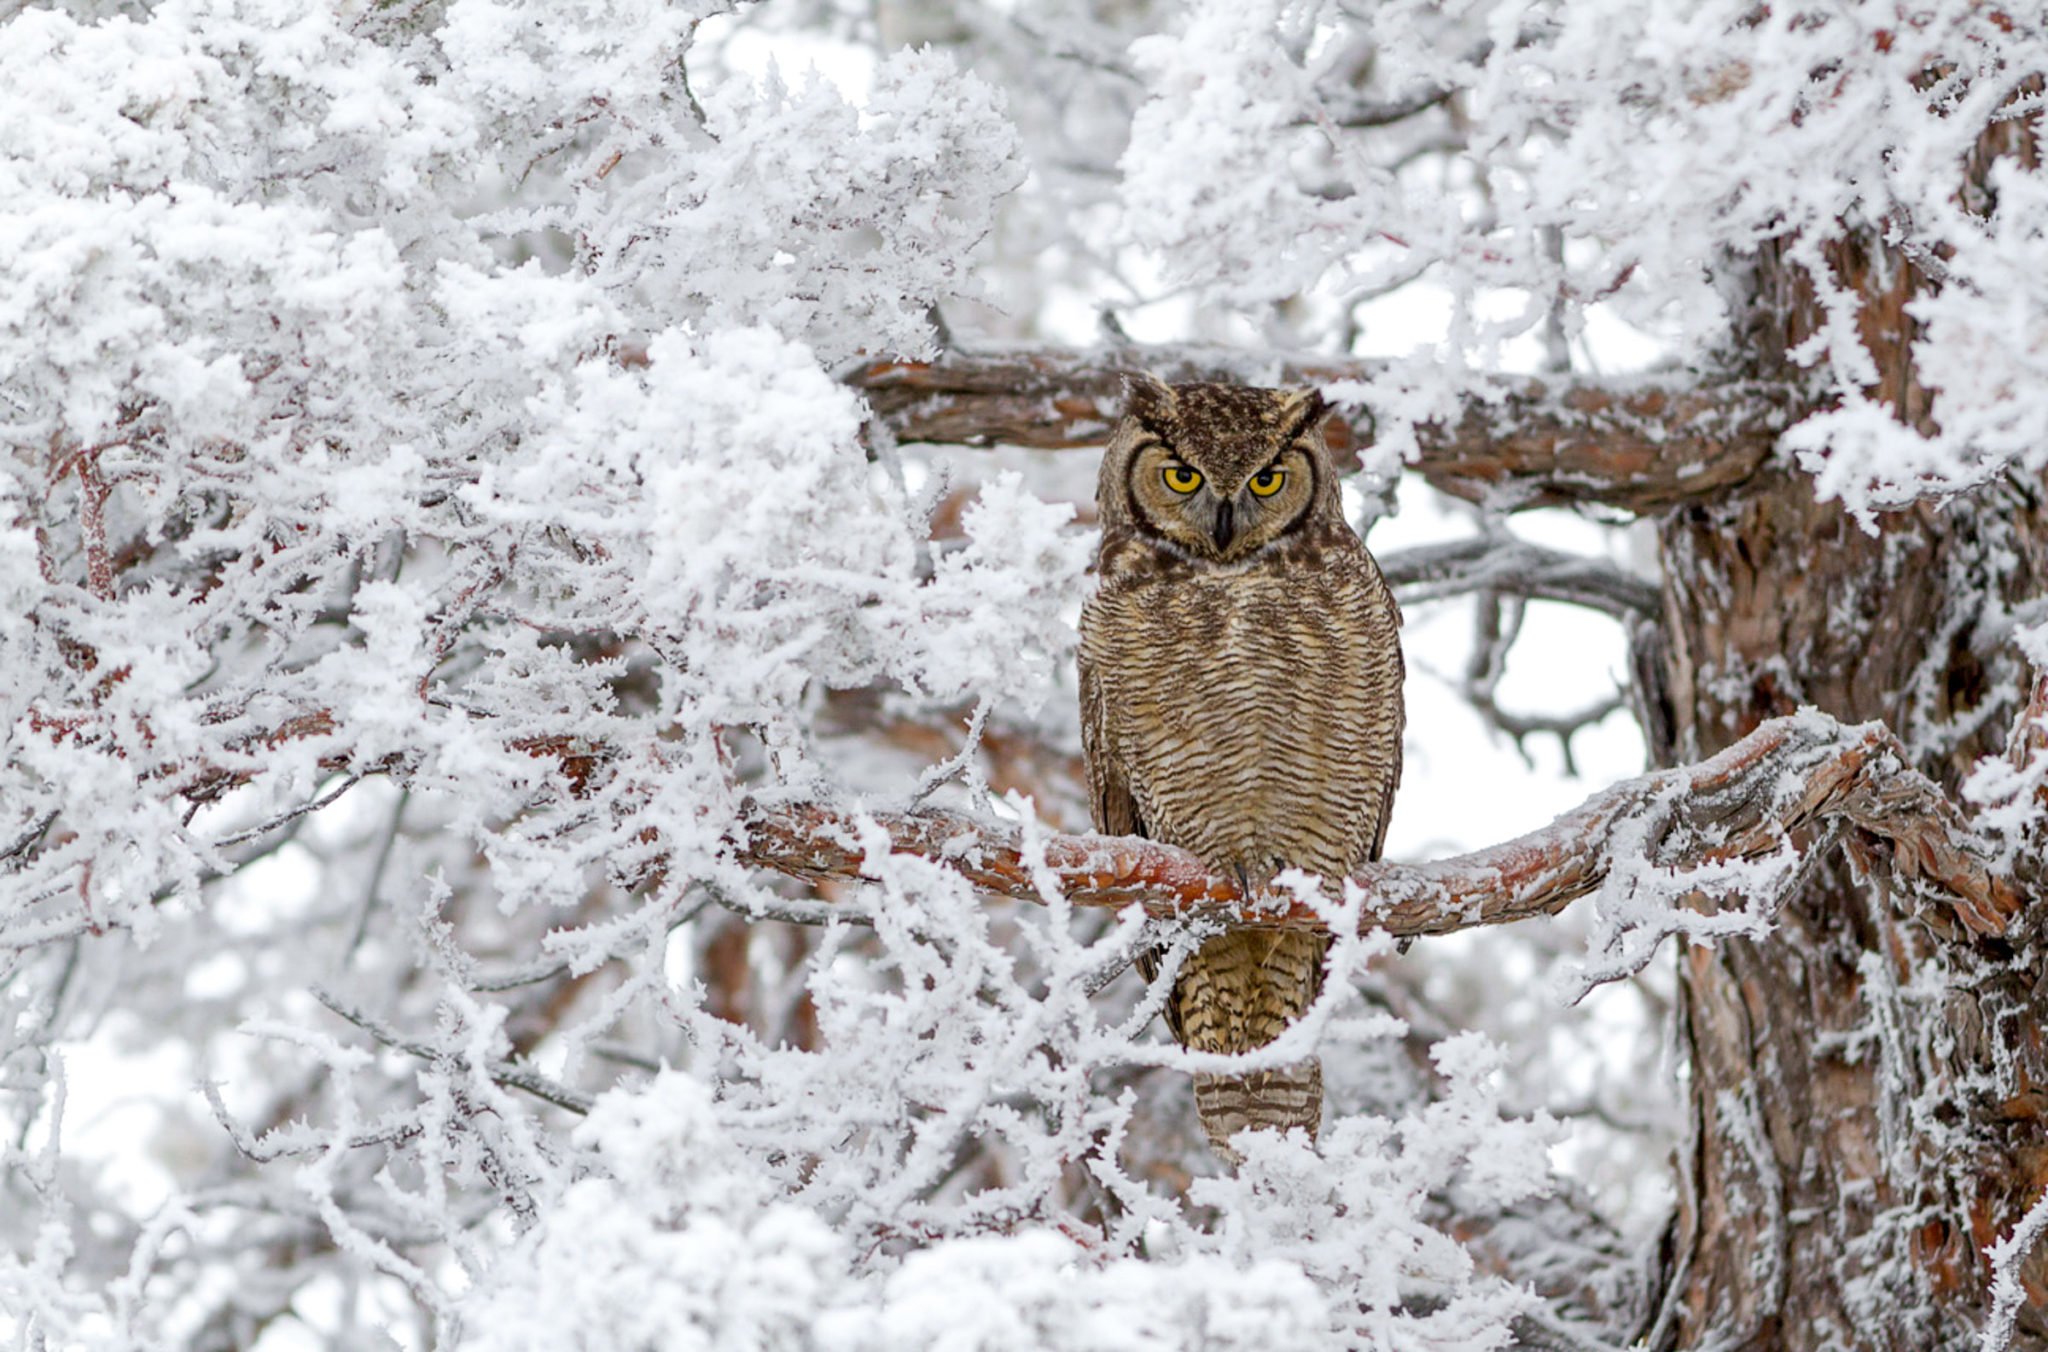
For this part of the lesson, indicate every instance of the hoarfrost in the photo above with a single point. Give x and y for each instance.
(433, 526)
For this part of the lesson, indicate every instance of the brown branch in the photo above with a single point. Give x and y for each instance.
(1803, 780)
(1641, 444)
(92, 525)
(1800, 777)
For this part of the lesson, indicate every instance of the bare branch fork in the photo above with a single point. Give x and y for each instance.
(1518, 568)
(1804, 779)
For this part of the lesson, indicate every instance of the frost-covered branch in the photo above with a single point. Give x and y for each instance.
(1804, 778)
(2010, 793)
(1805, 781)
(502, 1072)
(1638, 444)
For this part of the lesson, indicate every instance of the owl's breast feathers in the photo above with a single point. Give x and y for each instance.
(1253, 714)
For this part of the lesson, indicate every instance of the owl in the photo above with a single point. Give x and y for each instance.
(1241, 675)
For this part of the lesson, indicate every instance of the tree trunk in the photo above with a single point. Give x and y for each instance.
(1865, 1085)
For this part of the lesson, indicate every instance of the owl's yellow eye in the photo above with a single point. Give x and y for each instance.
(1267, 482)
(1181, 479)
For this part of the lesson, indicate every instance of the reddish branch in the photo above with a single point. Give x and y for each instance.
(1804, 779)
(1640, 445)
(92, 525)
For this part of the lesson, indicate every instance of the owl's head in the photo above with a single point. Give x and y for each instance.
(1219, 470)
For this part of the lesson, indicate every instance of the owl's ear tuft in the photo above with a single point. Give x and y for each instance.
(1307, 411)
(1147, 398)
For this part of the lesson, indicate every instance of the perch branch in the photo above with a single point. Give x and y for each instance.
(1803, 777)
(1640, 445)
(1804, 780)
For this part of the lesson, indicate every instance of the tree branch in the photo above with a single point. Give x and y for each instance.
(502, 1072)
(1800, 778)
(1496, 627)
(1518, 568)
(1360, 112)
(1640, 445)
(1803, 781)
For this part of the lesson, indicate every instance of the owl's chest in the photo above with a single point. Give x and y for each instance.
(1223, 641)
(1238, 709)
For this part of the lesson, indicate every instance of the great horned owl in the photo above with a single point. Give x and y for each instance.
(1240, 697)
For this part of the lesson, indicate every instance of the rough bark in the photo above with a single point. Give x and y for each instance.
(1866, 1093)
(1638, 445)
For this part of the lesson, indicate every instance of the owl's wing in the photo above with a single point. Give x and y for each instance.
(1112, 804)
(1386, 805)
(1110, 801)
(1399, 720)
(1379, 836)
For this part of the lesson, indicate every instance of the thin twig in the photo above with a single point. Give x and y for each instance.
(369, 901)
(501, 1072)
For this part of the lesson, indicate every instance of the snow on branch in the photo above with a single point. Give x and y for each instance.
(1805, 780)
(1637, 444)
(2009, 793)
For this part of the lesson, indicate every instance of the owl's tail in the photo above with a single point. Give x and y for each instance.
(1235, 994)
(1275, 1100)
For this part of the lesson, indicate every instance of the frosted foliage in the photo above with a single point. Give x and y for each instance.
(431, 524)
(250, 308)
(656, 1253)
(1198, 185)
(437, 531)
(673, 1234)
(1631, 156)
(762, 204)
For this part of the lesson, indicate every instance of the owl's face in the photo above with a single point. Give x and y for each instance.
(1221, 470)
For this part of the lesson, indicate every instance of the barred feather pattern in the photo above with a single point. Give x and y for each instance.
(1239, 992)
(1246, 708)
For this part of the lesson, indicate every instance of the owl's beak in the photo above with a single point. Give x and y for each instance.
(1225, 527)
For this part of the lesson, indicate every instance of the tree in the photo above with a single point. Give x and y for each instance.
(502, 553)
